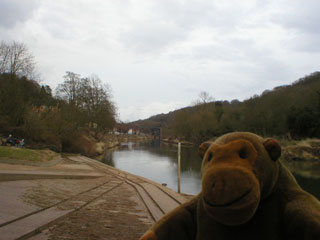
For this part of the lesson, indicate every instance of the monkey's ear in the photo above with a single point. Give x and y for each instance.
(273, 148)
(203, 148)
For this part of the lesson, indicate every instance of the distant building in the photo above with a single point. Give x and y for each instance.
(133, 131)
(156, 132)
(45, 109)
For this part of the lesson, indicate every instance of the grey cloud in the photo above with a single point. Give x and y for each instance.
(170, 22)
(300, 15)
(237, 50)
(308, 43)
(14, 11)
(58, 26)
(303, 19)
(230, 50)
(191, 14)
(151, 37)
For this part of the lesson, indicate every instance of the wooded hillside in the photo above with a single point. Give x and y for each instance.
(286, 110)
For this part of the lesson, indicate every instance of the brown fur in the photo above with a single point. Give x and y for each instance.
(246, 194)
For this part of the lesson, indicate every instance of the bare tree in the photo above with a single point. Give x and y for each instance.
(95, 101)
(204, 97)
(4, 55)
(69, 89)
(15, 58)
(90, 98)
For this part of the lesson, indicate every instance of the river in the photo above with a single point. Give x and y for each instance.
(158, 161)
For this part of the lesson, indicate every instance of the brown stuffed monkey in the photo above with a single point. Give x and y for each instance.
(246, 194)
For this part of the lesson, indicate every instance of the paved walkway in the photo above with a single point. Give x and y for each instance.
(79, 198)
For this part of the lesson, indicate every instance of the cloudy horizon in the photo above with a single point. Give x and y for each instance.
(157, 56)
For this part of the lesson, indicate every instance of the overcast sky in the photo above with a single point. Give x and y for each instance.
(158, 55)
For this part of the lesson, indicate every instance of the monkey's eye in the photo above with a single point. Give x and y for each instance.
(243, 154)
(210, 156)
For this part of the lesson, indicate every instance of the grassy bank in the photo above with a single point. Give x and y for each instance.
(27, 154)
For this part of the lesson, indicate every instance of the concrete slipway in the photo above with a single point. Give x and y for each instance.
(79, 198)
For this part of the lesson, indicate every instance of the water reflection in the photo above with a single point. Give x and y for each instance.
(158, 162)
(311, 185)
(307, 175)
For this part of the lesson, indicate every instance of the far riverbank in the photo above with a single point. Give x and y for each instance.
(305, 150)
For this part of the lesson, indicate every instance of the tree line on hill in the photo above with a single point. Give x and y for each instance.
(30, 110)
(291, 110)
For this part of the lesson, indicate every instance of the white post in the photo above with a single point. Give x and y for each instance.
(179, 165)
